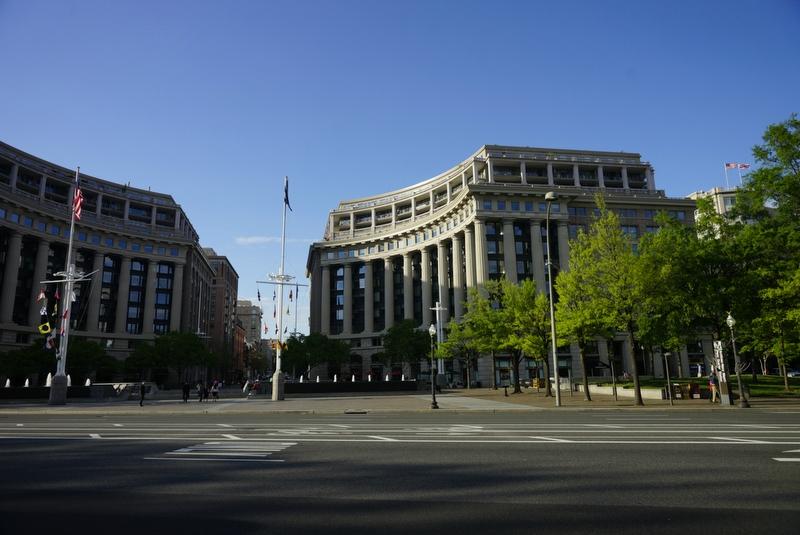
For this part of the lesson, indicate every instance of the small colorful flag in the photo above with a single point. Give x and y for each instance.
(274, 311)
(273, 295)
(44, 328)
(43, 310)
(290, 295)
(77, 202)
(744, 166)
(731, 165)
(259, 295)
(41, 295)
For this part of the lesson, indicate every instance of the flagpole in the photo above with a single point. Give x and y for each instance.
(277, 378)
(725, 169)
(739, 169)
(58, 386)
(296, 291)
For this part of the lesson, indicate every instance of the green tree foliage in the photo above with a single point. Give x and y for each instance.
(404, 343)
(607, 274)
(86, 358)
(527, 315)
(460, 345)
(770, 203)
(303, 352)
(26, 363)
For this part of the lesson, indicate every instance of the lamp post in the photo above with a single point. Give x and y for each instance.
(743, 404)
(550, 197)
(434, 405)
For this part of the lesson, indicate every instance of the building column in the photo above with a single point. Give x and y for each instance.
(39, 272)
(325, 328)
(523, 172)
(150, 297)
(563, 245)
(388, 291)
(651, 183)
(177, 298)
(408, 288)
(444, 295)
(549, 174)
(576, 175)
(625, 178)
(600, 180)
(458, 280)
(537, 256)
(469, 262)
(12, 180)
(372, 220)
(126, 210)
(10, 277)
(474, 172)
(123, 291)
(348, 299)
(425, 265)
(509, 252)
(369, 298)
(93, 314)
(481, 266)
(42, 186)
(489, 171)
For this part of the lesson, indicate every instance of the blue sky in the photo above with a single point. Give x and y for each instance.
(214, 102)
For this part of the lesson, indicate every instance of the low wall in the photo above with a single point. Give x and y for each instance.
(98, 392)
(607, 390)
(359, 386)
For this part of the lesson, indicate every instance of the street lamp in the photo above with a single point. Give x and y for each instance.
(550, 196)
(743, 404)
(434, 405)
(667, 355)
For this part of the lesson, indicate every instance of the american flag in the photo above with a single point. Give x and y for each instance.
(732, 165)
(744, 166)
(77, 202)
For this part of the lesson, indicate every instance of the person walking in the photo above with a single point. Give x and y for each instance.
(186, 390)
(199, 391)
(712, 386)
(141, 394)
(215, 391)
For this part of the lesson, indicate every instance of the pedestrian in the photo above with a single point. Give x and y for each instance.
(199, 391)
(215, 391)
(712, 386)
(205, 392)
(141, 394)
(186, 390)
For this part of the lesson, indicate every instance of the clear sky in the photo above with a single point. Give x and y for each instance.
(214, 102)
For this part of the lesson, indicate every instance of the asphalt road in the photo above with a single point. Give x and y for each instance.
(548, 471)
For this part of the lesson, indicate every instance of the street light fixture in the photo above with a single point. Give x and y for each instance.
(434, 405)
(743, 404)
(550, 196)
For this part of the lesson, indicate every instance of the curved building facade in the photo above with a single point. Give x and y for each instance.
(392, 256)
(150, 274)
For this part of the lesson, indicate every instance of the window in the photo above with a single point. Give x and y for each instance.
(81, 236)
(41, 226)
(528, 206)
(680, 215)
(95, 239)
(14, 218)
(501, 205)
(628, 212)
(632, 231)
(577, 210)
(515, 206)
(162, 251)
(109, 242)
(55, 230)
(487, 205)
(122, 244)
(148, 248)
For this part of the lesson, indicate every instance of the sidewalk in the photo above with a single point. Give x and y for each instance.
(483, 400)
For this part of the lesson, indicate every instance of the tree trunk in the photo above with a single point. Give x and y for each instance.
(587, 396)
(637, 389)
(517, 356)
(548, 386)
(494, 373)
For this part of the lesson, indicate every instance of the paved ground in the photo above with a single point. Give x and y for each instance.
(481, 400)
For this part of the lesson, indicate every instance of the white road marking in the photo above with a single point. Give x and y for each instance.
(552, 439)
(744, 440)
(224, 425)
(232, 437)
(787, 459)
(340, 425)
(792, 451)
(94, 435)
(20, 425)
(383, 438)
(117, 425)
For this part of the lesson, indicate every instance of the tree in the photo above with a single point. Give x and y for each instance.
(86, 358)
(305, 352)
(460, 344)
(484, 321)
(527, 314)
(20, 364)
(404, 343)
(607, 273)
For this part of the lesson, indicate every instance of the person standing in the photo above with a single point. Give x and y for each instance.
(199, 391)
(186, 390)
(712, 386)
(141, 394)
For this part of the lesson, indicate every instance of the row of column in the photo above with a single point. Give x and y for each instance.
(11, 273)
(14, 177)
(476, 273)
(575, 175)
